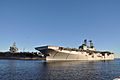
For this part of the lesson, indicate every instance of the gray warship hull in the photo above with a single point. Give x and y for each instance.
(60, 53)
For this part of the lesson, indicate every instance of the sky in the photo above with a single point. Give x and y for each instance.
(33, 23)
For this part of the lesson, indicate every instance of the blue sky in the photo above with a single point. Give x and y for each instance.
(32, 23)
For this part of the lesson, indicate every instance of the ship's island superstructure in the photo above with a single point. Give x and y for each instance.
(84, 52)
(13, 48)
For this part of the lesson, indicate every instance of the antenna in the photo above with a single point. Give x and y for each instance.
(13, 48)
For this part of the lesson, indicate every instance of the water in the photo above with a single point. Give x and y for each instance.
(62, 70)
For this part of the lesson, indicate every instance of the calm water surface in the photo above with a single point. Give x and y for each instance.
(59, 70)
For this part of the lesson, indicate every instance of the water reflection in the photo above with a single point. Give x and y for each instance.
(58, 70)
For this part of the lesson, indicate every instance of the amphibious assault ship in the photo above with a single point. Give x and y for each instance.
(84, 52)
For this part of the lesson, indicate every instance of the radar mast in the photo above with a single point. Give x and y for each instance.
(13, 48)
